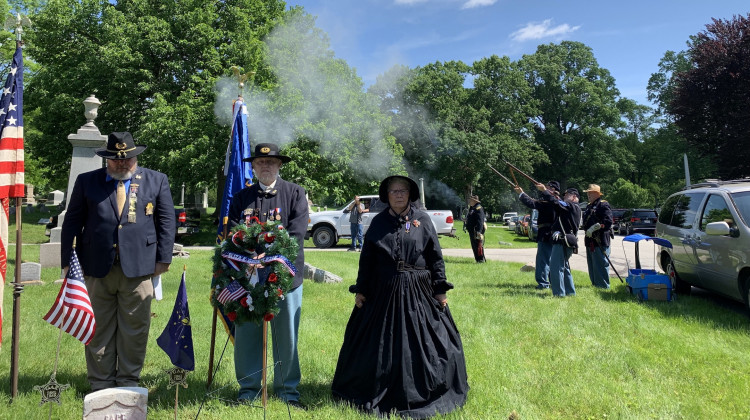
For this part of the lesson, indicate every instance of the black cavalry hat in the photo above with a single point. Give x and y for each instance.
(267, 150)
(120, 145)
(573, 191)
(555, 185)
(413, 188)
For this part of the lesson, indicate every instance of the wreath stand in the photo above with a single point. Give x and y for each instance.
(264, 381)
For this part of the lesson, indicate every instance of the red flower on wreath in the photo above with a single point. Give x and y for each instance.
(243, 302)
(268, 316)
(253, 219)
(232, 316)
(281, 227)
(279, 292)
(273, 278)
(269, 237)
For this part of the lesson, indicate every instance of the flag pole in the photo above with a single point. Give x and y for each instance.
(210, 379)
(265, 363)
(17, 290)
(57, 355)
(177, 387)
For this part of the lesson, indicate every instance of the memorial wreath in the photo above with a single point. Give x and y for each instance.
(253, 271)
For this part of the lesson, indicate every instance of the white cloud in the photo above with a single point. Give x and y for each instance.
(470, 4)
(541, 30)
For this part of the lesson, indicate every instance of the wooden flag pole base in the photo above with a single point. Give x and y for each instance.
(265, 364)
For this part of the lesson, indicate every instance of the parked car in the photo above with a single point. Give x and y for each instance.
(533, 227)
(327, 227)
(512, 223)
(638, 220)
(707, 225)
(507, 216)
(616, 218)
(188, 222)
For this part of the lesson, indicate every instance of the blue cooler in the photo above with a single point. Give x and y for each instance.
(647, 284)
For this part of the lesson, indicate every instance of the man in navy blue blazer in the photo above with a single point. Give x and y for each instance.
(122, 220)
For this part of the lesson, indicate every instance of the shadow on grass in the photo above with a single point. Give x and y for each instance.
(701, 306)
(26, 383)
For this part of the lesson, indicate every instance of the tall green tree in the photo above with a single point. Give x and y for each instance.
(711, 100)
(578, 114)
(153, 64)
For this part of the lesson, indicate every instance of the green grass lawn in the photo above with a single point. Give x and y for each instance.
(598, 355)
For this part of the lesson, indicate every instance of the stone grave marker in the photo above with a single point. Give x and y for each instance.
(127, 403)
(31, 273)
(55, 198)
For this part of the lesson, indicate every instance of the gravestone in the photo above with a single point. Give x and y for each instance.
(55, 198)
(29, 194)
(322, 276)
(85, 142)
(31, 273)
(127, 403)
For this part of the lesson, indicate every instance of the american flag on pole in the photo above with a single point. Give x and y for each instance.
(231, 292)
(11, 158)
(72, 309)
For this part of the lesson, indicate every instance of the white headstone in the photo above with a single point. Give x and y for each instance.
(128, 403)
(55, 197)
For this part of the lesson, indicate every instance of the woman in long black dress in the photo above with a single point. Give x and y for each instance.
(402, 352)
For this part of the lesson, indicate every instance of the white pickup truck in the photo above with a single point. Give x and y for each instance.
(327, 227)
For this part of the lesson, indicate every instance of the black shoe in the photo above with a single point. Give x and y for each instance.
(541, 287)
(297, 404)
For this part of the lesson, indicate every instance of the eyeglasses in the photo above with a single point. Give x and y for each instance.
(398, 192)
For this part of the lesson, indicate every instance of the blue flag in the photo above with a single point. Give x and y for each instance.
(177, 338)
(239, 174)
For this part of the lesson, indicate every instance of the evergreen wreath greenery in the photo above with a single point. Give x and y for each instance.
(261, 302)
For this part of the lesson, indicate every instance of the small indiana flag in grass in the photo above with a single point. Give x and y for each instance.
(177, 338)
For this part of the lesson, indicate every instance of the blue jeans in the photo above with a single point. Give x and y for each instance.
(543, 254)
(598, 267)
(560, 277)
(248, 352)
(356, 232)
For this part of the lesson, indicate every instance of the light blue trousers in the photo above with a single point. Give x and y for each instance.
(560, 277)
(598, 267)
(248, 352)
(543, 254)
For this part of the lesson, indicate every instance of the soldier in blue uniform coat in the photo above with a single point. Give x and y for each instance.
(564, 241)
(544, 236)
(476, 227)
(597, 222)
(272, 198)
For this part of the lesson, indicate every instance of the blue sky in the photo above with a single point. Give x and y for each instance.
(628, 37)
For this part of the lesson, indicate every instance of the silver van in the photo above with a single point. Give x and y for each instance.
(707, 225)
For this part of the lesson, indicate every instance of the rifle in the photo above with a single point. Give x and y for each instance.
(503, 177)
(513, 168)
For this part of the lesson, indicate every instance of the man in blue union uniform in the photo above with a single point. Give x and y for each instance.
(546, 218)
(272, 198)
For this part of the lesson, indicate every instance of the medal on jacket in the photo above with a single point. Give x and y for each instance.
(133, 201)
(278, 213)
(408, 224)
(270, 214)
(248, 213)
